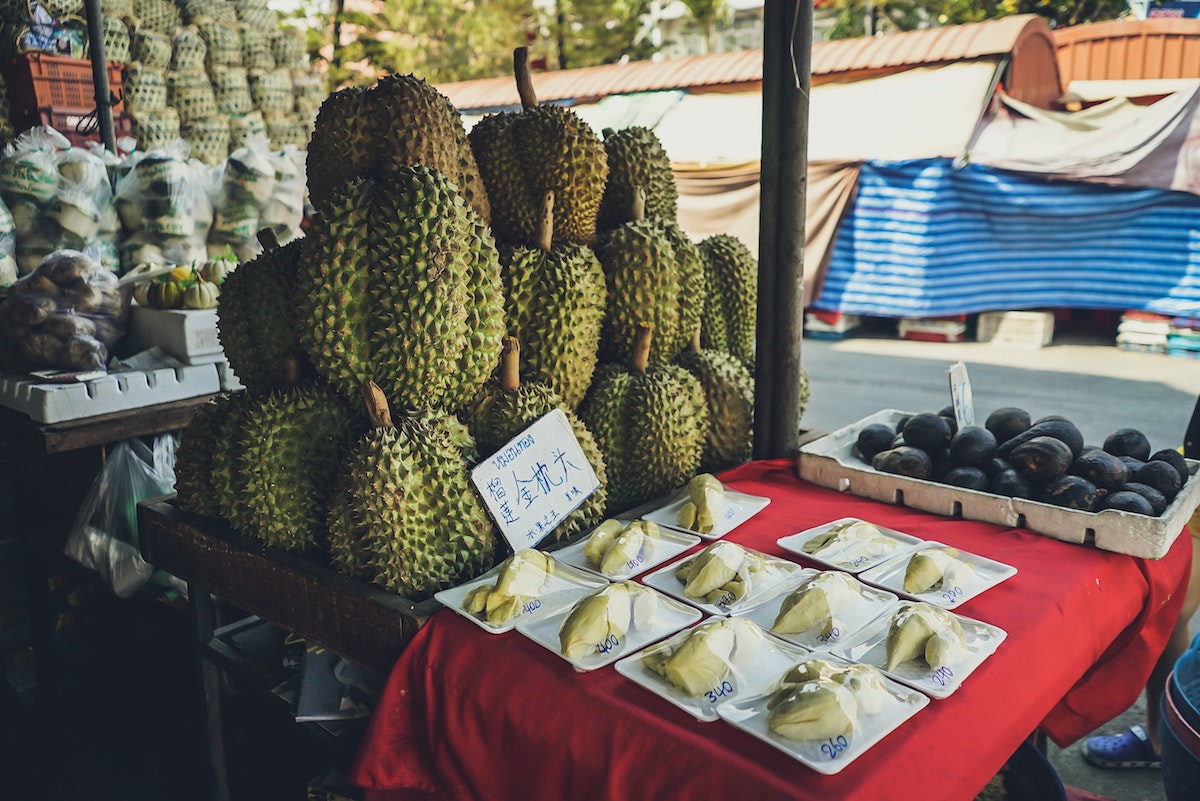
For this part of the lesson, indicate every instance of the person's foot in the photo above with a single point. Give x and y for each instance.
(1131, 749)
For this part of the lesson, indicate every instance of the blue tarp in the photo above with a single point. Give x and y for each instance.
(929, 239)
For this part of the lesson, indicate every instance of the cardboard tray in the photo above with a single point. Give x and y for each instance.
(830, 462)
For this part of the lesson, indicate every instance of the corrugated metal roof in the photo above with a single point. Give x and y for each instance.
(830, 61)
(1155, 48)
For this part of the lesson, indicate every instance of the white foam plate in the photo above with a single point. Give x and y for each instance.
(869, 645)
(833, 755)
(669, 617)
(669, 544)
(846, 621)
(739, 507)
(777, 570)
(566, 586)
(750, 673)
(848, 560)
(985, 574)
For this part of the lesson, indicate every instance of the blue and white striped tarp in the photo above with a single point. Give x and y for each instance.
(927, 239)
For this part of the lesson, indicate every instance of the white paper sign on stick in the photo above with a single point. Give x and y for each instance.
(960, 395)
(538, 478)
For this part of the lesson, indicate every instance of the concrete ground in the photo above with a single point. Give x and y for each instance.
(1081, 374)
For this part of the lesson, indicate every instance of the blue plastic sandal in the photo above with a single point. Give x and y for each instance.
(1129, 750)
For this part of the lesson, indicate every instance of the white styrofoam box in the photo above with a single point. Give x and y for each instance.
(229, 380)
(189, 335)
(1027, 329)
(113, 392)
(830, 462)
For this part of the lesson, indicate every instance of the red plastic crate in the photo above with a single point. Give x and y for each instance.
(37, 81)
(79, 128)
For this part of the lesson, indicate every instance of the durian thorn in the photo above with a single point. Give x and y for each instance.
(546, 231)
(510, 365)
(641, 349)
(268, 239)
(378, 411)
(291, 370)
(638, 212)
(524, 78)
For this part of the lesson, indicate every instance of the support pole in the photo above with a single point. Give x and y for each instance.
(91, 8)
(787, 80)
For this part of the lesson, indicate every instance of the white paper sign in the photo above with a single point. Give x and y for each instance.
(538, 478)
(960, 395)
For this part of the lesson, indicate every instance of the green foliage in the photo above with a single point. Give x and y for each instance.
(858, 17)
(591, 32)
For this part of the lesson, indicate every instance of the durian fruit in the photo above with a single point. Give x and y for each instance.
(814, 710)
(721, 573)
(400, 121)
(555, 301)
(522, 578)
(910, 629)
(293, 440)
(400, 284)
(600, 620)
(731, 304)
(705, 504)
(650, 424)
(523, 154)
(600, 540)
(654, 275)
(256, 319)
(612, 547)
(636, 159)
(932, 569)
(816, 603)
(709, 653)
(404, 514)
(506, 406)
(226, 479)
(194, 474)
(729, 393)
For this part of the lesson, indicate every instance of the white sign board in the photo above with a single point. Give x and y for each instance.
(960, 395)
(538, 478)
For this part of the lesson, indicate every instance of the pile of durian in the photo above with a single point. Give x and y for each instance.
(450, 291)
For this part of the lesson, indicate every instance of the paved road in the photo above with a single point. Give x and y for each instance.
(1083, 377)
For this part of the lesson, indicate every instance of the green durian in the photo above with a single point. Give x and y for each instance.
(650, 424)
(507, 406)
(636, 159)
(522, 155)
(729, 394)
(344, 143)
(228, 482)
(256, 318)
(555, 299)
(400, 284)
(731, 301)
(194, 474)
(405, 515)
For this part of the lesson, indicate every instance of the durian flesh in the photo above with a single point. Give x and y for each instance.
(705, 504)
(932, 569)
(522, 578)
(708, 654)
(911, 628)
(721, 572)
(614, 547)
(816, 603)
(814, 710)
(600, 620)
(847, 542)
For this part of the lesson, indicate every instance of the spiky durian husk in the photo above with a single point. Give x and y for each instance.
(693, 284)
(405, 515)
(256, 318)
(731, 310)
(227, 482)
(496, 416)
(805, 392)
(194, 474)
(636, 159)
(554, 304)
(650, 429)
(401, 285)
(293, 441)
(522, 155)
(400, 121)
(729, 395)
(642, 275)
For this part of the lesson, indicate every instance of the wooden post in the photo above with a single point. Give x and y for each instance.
(104, 103)
(787, 80)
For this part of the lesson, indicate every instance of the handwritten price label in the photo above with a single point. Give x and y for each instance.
(607, 646)
(941, 676)
(952, 595)
(833, 747)
(531, 606)
(830, 635)
(722, 690)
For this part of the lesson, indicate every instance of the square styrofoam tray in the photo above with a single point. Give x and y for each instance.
(845, 620)
(852, 561)
(669, 544)
(983, 574)
(776, 570)
(830, 462)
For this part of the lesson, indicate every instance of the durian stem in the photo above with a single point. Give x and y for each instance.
(695, 343)
(378, 411)
(638, 212)
(524, 78)
(546, 232)
(268, 239)
(641, 349)
(510, 365)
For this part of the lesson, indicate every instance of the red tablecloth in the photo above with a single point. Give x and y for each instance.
(469, 715)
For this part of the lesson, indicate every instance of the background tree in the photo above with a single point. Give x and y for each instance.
(861, 17)
(586, 33)
(708, 15)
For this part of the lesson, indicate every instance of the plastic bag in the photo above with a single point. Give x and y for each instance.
(104, 537)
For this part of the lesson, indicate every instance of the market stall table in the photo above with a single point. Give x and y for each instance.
(468, 715)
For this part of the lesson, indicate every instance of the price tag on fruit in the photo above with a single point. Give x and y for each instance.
(960, 395)
(538, 478)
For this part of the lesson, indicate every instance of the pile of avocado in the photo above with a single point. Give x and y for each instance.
(1043, 460)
